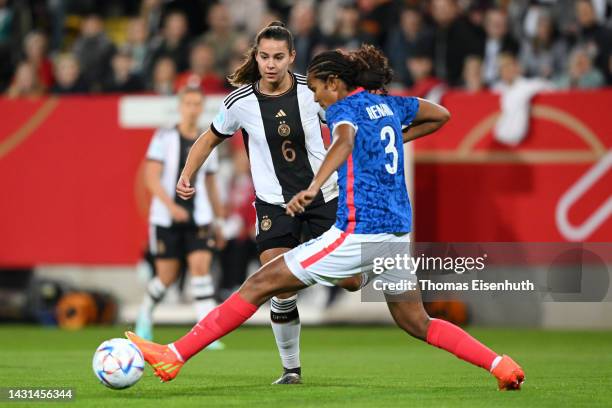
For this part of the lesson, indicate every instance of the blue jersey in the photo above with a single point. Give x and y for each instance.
(373, 197)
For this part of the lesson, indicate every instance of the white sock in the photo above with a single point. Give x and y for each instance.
(153, 295)
(286, 326)
(495, 363)
(203, 291)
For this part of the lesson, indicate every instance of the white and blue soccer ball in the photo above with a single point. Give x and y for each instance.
(118, 363)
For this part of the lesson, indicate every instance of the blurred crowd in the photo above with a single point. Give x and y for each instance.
(158, 46)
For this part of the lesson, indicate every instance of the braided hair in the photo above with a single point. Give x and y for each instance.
(366, 67)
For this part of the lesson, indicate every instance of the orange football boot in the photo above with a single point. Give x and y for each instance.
(164, 361)
(510, 376)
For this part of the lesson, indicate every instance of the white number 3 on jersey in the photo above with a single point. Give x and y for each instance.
(388, 132)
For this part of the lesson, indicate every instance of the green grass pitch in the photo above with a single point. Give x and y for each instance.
(343, 367)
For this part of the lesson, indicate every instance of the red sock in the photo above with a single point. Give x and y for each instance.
(222, 320)
(453, 339)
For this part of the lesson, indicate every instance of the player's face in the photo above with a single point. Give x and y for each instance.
(190, 107)
(325, 92)
(273, 59)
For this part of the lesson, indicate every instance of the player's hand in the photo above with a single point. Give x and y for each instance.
(179, 214)
(184, 189)
(300, 201)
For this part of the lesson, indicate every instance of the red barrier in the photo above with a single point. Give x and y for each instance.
(470, 188)
(71, 191)
(68, 183)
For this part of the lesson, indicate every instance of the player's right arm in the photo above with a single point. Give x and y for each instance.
(153, 173)
(198, 154)
(156, 157)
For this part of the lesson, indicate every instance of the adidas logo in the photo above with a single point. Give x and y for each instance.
(281, 114)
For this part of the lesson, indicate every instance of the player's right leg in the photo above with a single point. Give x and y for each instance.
(163, 246)
(272, 279)
(202, 287)
(410, 315)
(166, 271)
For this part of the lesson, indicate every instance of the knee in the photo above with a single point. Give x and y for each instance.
(167, 279)
(198, 270)
(257, 289)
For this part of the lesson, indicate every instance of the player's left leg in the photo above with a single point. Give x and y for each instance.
(410, 315)
(202, 287)
(272, 279)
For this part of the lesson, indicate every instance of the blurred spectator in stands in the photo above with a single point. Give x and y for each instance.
(68, 76)
(246, 19)
(403, 41)
(426, 84)
(242, 45)
(525, 16)
(516, 93)
(347, 34)
(6, 30)
(511, 78)
(164, 76)
(221, 37)
(452, 41)
(269, 17)
(475, 14)
(510, 72)
(377, 18)
(93, 49)
(6, 21)
(497, 41)
(545, 54)
(173, 42)
(306, 35)
(472, 74)
(35, 50)
(235, 61)
(201, 74)
(581, 73)
(151, 13)
(123, 79)
(25, 83)
(137, 44)
(595, 37)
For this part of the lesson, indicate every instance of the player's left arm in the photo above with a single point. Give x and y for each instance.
(429, 118)
(338, 153)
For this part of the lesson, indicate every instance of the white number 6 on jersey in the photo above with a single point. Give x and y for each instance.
(388, 131)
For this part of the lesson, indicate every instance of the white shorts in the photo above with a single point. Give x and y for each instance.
(337, 255)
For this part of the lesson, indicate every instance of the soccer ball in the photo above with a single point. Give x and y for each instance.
(118, 363)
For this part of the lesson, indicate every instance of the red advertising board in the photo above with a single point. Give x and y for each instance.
(71, 190)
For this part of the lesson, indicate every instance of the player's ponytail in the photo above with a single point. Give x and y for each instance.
(366, 67)
(248, 72)
(371, 67)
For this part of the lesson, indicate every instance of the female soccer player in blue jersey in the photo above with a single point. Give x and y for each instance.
(373, 209)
